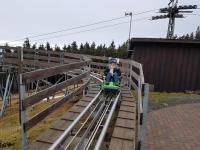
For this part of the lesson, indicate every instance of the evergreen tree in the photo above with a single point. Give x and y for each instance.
(34, 46)
(93, 48)
(187, 37)
(87, 48)
(81, 48)
(112, 46)
(104, 50)
(192, 36)
(41, 47)
(99, 50)
(122, 51)
(48, 47)
(197, 36)
(27, 43)
(69, 49)
(57, 48)
(74, 46)
(65, 48)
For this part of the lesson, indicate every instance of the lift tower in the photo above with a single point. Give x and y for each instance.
(173, 11)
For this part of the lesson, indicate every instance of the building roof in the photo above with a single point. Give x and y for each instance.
(161, 40)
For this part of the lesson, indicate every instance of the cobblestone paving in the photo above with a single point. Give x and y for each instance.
(174, 128)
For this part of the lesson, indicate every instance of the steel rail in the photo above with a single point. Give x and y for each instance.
(78, 146)
(103, 132)
(83, 125)
(97, 126)
(93, 76)
(68, 130)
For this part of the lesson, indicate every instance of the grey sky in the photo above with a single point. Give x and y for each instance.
(22, 18)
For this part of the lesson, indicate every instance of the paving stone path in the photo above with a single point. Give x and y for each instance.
(174, 128)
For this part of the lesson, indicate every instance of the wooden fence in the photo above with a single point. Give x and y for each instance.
(27, 77)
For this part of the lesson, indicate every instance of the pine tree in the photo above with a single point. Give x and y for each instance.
(93, 48)
(87, 48)
(197, 36)
(74, 46)
(112, 46)
(104, 50)
(34, 46)
(41, 47)
(48, 47)
(65, 48)
(187, 37)
(69, 49)
(99, 50)
(81, 48)
(27, 43)
(57, 48)
(192, 36)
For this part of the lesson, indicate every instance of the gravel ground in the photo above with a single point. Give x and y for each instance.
(172, 101)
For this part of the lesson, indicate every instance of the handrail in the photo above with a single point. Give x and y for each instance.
(142, 103)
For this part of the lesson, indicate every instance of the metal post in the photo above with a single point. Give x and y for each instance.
(129, 84)
(130, 25)
(23, 113)
(144, 119)
(21, 99)
(5, 95)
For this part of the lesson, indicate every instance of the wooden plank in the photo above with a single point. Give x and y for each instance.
(127, 95)
(44, 73)
(31, 100)
(116, 144)
(126, 115)
(69, 116)
(49, 136)
(124, 133)
(125, 123)
(87, 99)
(61, 125)
(82, 103)
(39, 145)
(30, 62)
(128, 145)
(127, 103)
(127, 109)
(128, 99)
(77, 109)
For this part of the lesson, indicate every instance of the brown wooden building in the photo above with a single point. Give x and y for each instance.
(170, 65)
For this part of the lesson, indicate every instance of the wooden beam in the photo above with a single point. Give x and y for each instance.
(44, 73)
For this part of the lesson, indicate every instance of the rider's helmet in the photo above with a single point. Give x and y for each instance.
(112, 61)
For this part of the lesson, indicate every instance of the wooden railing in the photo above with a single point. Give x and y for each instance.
(36, 58)
(136, 80)
(28, 77)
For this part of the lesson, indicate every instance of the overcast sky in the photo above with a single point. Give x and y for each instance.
(24, 18)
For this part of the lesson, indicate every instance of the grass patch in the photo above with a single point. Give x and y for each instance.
(10, 133)
(164, 96)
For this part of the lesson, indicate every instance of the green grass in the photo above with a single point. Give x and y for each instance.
(9, 124)
(164, 96)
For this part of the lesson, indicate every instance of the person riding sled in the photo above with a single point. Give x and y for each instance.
(112, 73)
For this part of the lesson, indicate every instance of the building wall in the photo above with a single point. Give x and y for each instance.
(169, 66)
